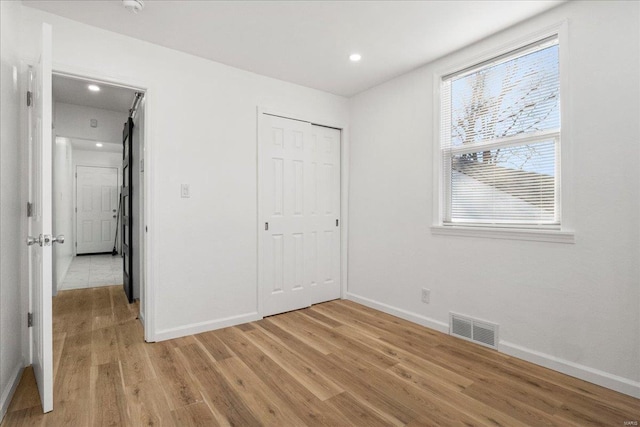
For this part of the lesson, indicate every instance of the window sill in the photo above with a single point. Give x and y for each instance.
(554, 236)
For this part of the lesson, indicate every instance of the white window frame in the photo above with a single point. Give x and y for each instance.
(560, 233)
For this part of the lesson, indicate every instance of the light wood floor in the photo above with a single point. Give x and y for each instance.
(335, 364)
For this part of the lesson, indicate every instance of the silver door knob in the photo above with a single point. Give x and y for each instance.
(33, 240)
(58, 239)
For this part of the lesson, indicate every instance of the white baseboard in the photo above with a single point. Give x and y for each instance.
(10, 389)
(196, 328)
(595, 376)
(398, 312)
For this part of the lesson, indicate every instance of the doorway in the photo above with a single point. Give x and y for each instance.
(88, 157)
(299, 236)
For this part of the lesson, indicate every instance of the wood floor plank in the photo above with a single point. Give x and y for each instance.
(228, 407)
(175, 378)
(417, 398)
(134, 359)
(587, 412)
(214, 346)
(72, 412)
(103, 318)
(305, 333)
(269, 409)
(305, 405)
(576, 386)
(344, 376)
(108, 404)
(195, 415)
(26, 395)
(303, 370)
(101, 299)
(320, 318)
(72, 379)
(148, 404)
(500, 400)
(405, 338)
(447, 378)
(104, 346)
(306, 330)
(333, 364)
(25, 417)
(356, 413)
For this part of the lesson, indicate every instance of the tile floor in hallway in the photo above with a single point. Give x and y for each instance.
(89, 271)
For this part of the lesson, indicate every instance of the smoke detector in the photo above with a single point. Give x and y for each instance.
(134, 6)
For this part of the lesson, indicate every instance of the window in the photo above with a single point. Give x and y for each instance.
(500, 140)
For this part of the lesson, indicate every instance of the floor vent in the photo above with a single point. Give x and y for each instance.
(478, 331)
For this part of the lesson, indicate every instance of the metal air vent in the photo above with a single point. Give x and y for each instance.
(475, 330)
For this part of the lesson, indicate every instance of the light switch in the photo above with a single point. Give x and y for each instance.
(185, 191)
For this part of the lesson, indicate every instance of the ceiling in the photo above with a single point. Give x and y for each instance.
(308, 42)
(75, 91)
(71, 90)
(90, 145)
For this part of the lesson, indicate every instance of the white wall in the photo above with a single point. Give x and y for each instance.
(573, 307)
(63, 204)
(74, 121)
(201, 123)
(11, 240)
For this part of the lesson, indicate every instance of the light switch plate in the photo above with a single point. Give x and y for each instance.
(185, 191)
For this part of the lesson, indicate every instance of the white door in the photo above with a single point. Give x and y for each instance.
(97, 204)
(300, 209)
(40, 221)
(325, 277)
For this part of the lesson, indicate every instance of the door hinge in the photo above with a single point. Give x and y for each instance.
(337, 222)
(29, 209)
(29, 320)
(29, 98)
(266, 226)
(76, 210)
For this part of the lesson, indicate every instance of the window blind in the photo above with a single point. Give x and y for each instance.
(500, 139)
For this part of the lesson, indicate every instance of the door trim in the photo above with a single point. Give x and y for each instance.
(151, 239)
(344, 194)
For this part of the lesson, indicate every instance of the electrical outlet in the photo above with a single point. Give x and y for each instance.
(426, 295)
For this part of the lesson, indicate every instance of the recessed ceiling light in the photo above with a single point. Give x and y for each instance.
(355, 57)
(98, 144)
(94, 88)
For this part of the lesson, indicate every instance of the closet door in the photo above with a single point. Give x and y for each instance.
(299, 237)
(324, 258)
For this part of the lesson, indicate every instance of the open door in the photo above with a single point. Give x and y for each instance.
(127, 208)
(40, 219)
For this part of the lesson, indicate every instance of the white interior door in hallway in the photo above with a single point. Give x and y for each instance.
(97, 204)
(39, 222)
(299, 238)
